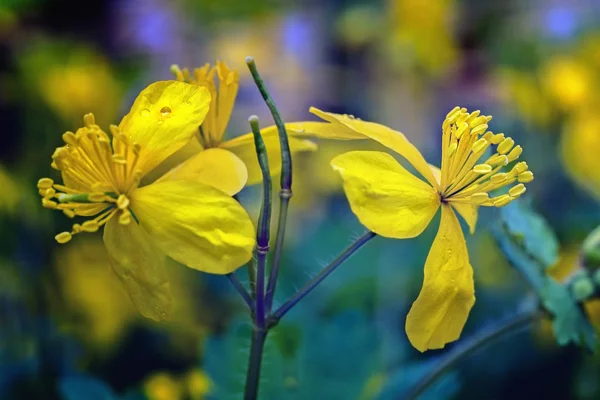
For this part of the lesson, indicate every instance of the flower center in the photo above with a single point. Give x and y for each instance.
(98, 174)
(465, 141)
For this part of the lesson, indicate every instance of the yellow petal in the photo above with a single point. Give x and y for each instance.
(243, 147)
(163, 118)
(195, 224)
(385, 197)
(468, 212)
(140, 266)
(218, 168)
(438, 315)
(384, 135)
(321, 130)
(189, 150)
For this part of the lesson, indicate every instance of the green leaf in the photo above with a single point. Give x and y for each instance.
(570, 323)
(531, 247)
(531, 232)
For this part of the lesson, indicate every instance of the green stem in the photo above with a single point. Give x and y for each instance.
(470, 346)
(286, 179)
(253, 374)
(325, 272)
(264, 224)
(241, 290)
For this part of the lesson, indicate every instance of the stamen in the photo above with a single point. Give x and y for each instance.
(465, 178)
(525, 177)
(482, 169)
(63, 237)
(45, 183)
(517, 190)
(505, 146)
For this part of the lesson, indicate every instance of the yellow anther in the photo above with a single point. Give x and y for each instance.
(114, 130)
(97, 197)
(517, 190)
(122, 202)
(480, 198)
(45, 183)
(488, 136)
(498, 178)
(76, 228)
(462, 127)
(498, 138)
(49, 193)
(452, 112)
(478, 121)
(515, 153)
(90, 226)
(479, 129)
(463, 117)
(505, 146)
(70, 139)
(501, 201)
(125, 217)
(69, 213)
(520, 167)
(175, 70)
(452, 149)
(49, 204)
(525, 177)
(497, 159)
(63, 237)
(482, 169)
(479, 145)
(89, 120)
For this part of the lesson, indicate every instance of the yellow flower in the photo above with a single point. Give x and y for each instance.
(163, 386)
(187, 214)
(392, 202)
(579, 145)
(568, 81)
(198, 384)
(214, 126)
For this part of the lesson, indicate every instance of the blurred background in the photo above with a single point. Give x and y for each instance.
(67, 329)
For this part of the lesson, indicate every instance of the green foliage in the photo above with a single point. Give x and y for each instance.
(531, 232)
(531, 247)
(570, 323)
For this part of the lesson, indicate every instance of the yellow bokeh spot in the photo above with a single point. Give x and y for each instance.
(568, 81)
(162, 386)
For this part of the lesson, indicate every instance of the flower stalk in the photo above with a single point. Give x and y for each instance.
(285, 192)
(260, 301)
(264, 223)
(472, 345)
(325, 272)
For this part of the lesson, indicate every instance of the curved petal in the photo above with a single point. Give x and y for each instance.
(382, 134)
(140, 267)
(163, 118)
(218, 168)
(243, 147)
(385, 197)
(438, 315)
(321, 130)
(196, 225)
(468, 212)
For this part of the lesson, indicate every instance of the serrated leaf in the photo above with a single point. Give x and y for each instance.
(569, 324)
(530, 231)
(84, 387)
(529, 245)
